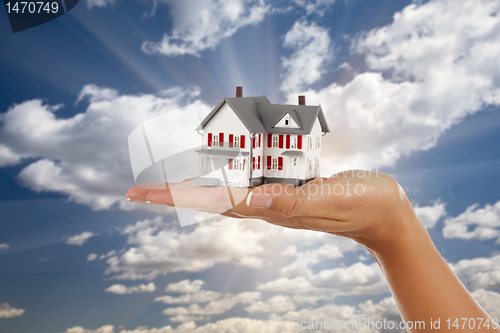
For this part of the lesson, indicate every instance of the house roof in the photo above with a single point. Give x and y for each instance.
(259, 115)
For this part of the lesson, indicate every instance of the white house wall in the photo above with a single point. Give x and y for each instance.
(227, 122)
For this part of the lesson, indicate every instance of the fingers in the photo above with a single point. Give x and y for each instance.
(190, 196)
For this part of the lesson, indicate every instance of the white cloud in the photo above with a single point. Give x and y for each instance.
(384, 310)
(99, 3)
(103, 329)
(122, 290)
(157, 248)
(358, 279)
(85, 156)
(489, 300)
(6, 311)
(429, 215)
(485, 222)
(107, 255)
(312, 49)
(315, 6)
(479, 273)
(79, 239)
(200, 25)
(426, 71)
(277, 303)
(215, 307)
(282, 323)
(4, 246)
(202, 296)
(184, 286)
(92, 257)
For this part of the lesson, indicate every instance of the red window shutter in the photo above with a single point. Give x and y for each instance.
(280, 163)
(288, 141)
(259, 139)
(210, 139)
(230, 140)
(299, 141)
(281, 140)
(253, 142)
(230, 164)
(269, 163)
(269, 140)
(243, 165)
(242, 142)
(258, 166)
(253, 163)
(221, 139)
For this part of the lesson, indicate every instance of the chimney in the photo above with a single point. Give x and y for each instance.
(302, 100)
(239, 91)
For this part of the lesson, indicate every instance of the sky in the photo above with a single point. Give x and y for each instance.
(410, 88)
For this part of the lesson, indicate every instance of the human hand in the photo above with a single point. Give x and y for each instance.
(369, 207)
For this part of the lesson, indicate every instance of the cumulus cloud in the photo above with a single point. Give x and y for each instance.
(85, 156)
(4, 246)
(6, 311)
(479, 273)
(277, 303)
(157, 248)
(79, 329)
(122, 290)
(282, 323)
(200, 25)
(427, 70)
(99, 3)
(202, 296)
(107, 255)
(358, 279)
(185, 286)
(79, 239)
(489, 300)
(311, 50)
(304, 259)
(92, 257)
(429, 215)
(315, 6)
(215, 307)
(475, 223)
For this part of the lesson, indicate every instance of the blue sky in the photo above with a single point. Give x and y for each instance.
(411, 88)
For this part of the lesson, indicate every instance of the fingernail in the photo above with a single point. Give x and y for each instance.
(260, 200)
(154, 202)
(134, 200)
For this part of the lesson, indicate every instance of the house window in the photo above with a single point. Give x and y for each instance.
(317, 141)
(275, 164)
(309, 164)
(310, 143)
(275, 141)
(317, 164)
(293, 161)
(215, 140)
(287, 120)
(237, 141)
(236, 164)
(293, 142)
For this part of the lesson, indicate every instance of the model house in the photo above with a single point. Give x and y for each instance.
(249, 141)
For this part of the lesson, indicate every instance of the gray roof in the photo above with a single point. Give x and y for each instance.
(222, 152)
(292, 153)
(259, 115)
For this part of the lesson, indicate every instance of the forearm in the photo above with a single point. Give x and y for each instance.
(423, 285)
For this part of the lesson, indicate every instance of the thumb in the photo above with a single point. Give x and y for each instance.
(284, 199)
